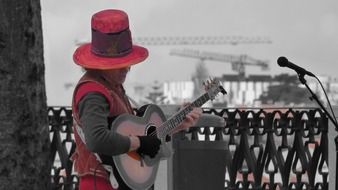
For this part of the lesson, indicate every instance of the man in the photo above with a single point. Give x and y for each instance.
(99, 96)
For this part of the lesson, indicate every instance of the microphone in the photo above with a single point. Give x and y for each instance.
(284, 62)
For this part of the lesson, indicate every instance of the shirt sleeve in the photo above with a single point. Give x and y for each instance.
(93, 113)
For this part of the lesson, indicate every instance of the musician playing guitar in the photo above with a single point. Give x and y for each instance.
(99, 97)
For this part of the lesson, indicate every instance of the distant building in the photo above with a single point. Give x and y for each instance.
(241, 91)
(178, 91)
(245, 91)
(330, 85)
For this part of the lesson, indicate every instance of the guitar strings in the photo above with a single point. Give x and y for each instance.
(198, 102)
(185, 111)
(171, 127)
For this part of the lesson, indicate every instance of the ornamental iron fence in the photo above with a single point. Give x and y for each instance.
(253, 149)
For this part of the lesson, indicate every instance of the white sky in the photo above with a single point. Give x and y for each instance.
(304, 31)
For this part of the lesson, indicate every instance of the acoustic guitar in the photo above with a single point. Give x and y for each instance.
(138, 172)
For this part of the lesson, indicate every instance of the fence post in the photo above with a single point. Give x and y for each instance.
(333, 153)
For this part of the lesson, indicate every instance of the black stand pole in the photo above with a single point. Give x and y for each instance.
(336, 142)
(314, 97)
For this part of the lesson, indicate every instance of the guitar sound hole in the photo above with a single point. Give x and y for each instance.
(151, 130)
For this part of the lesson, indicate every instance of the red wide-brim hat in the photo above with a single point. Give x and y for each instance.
(85, 58)
(111, 46)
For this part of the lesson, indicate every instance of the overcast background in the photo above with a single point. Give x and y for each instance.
(304, 31)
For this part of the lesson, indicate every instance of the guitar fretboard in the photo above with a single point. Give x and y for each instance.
(176, 119)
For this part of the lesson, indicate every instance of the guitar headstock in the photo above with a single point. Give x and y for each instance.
(213, 87)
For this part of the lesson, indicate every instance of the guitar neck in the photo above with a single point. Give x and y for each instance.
(176, 119)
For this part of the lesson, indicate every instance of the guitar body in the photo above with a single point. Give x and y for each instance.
(139, 173)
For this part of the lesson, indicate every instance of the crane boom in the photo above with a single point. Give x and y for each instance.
(200, 40)
(192, 40)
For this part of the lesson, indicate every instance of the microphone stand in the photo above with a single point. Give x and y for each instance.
(314, 97)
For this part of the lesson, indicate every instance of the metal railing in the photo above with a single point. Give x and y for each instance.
(262, 149)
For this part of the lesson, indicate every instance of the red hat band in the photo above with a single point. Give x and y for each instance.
(111, 44)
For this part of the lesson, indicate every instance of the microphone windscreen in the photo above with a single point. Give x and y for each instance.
(282, 61)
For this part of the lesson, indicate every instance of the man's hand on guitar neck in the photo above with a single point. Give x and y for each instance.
(190, 119)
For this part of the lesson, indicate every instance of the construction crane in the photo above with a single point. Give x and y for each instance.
(200, 40)
(193, 40)
(238, 62)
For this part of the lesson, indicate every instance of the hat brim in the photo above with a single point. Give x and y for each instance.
(85, 58)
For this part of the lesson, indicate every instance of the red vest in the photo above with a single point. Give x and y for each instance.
(85, 162)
